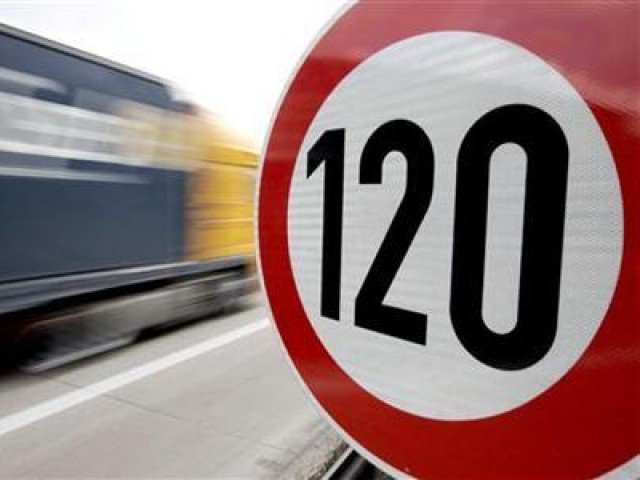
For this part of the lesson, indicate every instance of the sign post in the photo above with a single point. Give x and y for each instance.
(449, 235)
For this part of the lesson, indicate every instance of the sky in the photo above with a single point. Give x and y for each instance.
(233, 57)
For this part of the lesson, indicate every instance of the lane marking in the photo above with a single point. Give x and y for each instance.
(48, 408)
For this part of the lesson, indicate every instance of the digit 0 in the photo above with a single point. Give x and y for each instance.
(540, 263)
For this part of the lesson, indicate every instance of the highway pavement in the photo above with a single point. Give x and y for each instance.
(212, 399)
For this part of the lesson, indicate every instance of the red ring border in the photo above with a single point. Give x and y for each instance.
(586, 424)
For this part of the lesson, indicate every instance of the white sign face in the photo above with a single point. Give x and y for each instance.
(467, 311)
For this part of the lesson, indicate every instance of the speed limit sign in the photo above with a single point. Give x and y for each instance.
(449, 235)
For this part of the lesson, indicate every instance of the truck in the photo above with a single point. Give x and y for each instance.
(123, 208)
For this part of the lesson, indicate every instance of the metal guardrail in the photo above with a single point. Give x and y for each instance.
(351, 466)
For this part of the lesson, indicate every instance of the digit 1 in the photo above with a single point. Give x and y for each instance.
(329, 149)
(543, 232)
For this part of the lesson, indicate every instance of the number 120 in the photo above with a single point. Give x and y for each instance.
(547, 152)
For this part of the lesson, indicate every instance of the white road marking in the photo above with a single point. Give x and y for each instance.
(48, 408)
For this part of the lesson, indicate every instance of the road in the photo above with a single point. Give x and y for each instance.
(211, 399)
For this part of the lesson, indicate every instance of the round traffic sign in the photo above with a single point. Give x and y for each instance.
(448, 224)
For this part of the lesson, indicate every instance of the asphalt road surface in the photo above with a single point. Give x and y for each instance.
(213, 399)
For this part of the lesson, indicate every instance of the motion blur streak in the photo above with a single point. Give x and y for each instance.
(104, 171)
(64, 402)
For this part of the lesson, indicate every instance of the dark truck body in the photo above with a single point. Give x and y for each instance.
(92, 241)
(63, 215)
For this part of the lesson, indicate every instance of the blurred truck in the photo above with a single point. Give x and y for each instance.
(122, 209)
